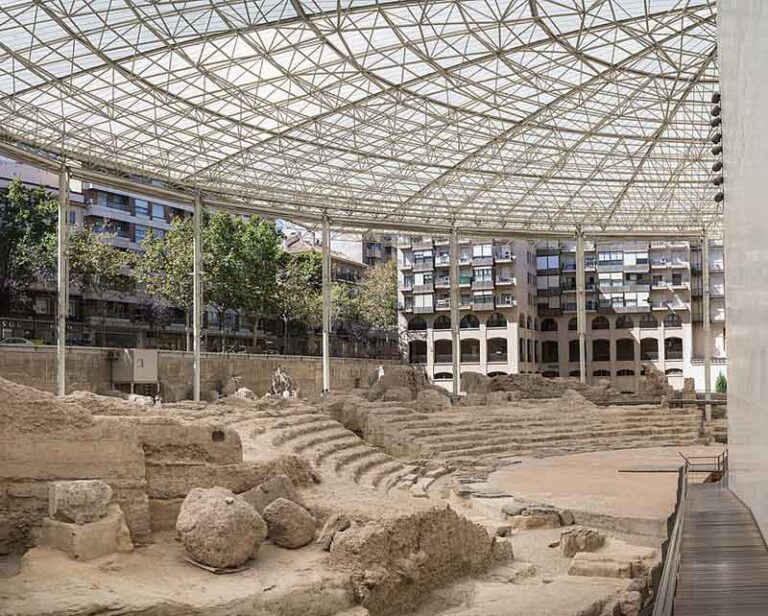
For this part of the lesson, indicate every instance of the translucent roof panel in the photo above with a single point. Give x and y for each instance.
(541, 115)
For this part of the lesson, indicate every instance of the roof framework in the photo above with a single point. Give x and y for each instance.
(537, 116)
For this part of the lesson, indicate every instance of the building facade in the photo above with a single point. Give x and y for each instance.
(518, 309)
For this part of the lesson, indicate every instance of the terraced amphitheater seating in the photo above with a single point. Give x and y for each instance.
(482, 435)
(329, 446)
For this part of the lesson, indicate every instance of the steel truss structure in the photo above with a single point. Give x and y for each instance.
(534, 117)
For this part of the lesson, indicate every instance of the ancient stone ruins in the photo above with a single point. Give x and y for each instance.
(383, 500)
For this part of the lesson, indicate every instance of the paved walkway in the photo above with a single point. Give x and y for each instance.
(724, 560)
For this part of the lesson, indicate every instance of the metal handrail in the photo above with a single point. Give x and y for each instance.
(664, 600)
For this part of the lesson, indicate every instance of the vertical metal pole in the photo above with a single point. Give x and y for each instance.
(581, 306)
(326, 303)
(455, 314)
(197, 295)
(62, 283)
(707, 329)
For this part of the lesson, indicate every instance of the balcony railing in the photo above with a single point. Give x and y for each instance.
(506, 280)
(443, 304)
(423, 309)
(483, 305)
(422, 245)
(505, 302)
(482, 284)
(503, 256)
(442, 283)
(482, 260)
(423, 288)
(423, 266)
(442, 261)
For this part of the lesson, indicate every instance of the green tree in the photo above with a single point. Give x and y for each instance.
(378, 296)
(27, 235)
(721, 384)
(299, 296)
(99, 269)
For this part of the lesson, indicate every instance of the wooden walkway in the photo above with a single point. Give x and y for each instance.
(724, 560)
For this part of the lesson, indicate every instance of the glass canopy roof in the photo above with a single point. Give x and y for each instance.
(519, 115)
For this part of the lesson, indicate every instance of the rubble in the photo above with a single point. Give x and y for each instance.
(78, 501)
(89, 540)
(289, 524)
(283, 385)
(265, 493)
(580, 540)
(219, 528)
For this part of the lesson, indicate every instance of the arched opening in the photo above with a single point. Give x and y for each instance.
(605, 373)
(443, 351)
(496, 320)
(600, 323)
(549, 374)
(648, 321)
(417, 324)
(625, 349)
(535, 324)
(442, 322)
(576, 373)
(672, 321)
(497, 373)
(673, 372)
(624, 322)
(573, 350)
(417, 351)
(625, 373)
(521, 321)
(497, 350)
(549, 351)
(443, 376)
(521, 356)
(469, 321)
(573, 324)
(548, 325)
(649, 349)
(673, 348)
(529, 323)
(601, 350)
(470, 351)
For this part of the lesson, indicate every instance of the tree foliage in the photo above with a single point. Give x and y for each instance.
(378, 296)
(27, 235)
(721, 384)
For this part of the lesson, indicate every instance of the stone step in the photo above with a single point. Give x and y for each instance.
(368, 465)
(386, 471)
(321, 437)
(298, 420)
(353, 454)
(290, 434)
(459, 442)
(322, 454)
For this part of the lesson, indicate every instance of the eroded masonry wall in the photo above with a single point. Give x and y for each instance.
(743, 57)
(90, 369)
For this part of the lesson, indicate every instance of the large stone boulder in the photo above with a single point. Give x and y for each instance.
(580, 540)
(397, 394)
(279, 486)
(475, 383)
(80, 501)
(432, 400)
(289, 524)
(218, 528)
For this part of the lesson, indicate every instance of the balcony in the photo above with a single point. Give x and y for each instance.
(479, 261)
(422, 245)
(465, 304)
(550, 312)
(483, 305)
(465, 281)
(423, 266)
(504, 256)
(407, 308)
(423, 309)
(506, 281)
(443, 304)
(465, 259)
(423, 288)
(442, 261)
(443, 283)
(677, 263)
(610, 267)
(406, 265)
(505, 302)
(482, 284)
(637, 269)
(406, 288)
(404, 242)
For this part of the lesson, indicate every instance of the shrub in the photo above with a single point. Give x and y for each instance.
(721, 385)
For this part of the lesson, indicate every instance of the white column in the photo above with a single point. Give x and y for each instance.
(62, 283)
(707, 329)
(326, 304)
(197, 295)
(455, 314)
(581, 306)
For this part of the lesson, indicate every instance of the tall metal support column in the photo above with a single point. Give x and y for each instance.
(326, 304)
(455, 314)
(197, 295)
(581, 306)
(62, 283)
(707, 329)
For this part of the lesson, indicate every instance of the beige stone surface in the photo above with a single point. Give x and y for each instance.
(90, 540)
(289, 525)
(78, 501)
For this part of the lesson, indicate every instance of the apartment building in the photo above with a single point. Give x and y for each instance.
(518, 309)
(379, 248)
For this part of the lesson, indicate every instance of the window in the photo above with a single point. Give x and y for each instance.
(470, 351)
(548, 262)
(424, 301)
(649, 349)
(482, 250)
(600, 323)
(674, 372)
(625, 372)
(497, 350)
(417, 352)
(42, 305)
(72, 218)
(548, 325)
(573, 324)
(496, 320)
(443, 351)
(442, 322)
(443, 376)
(625, 349)
(140, 233)
(549, 352)
(469, 321)
(648, 321)
(141, 208)
(602, 373)
(417, 324)
(158, 211)
(672, 321)
(673, 348)
(601, 350)
(624, 322)
(573, 350)
(483, 274)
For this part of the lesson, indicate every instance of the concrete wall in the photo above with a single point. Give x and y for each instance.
(89, 369)
(743, 51)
